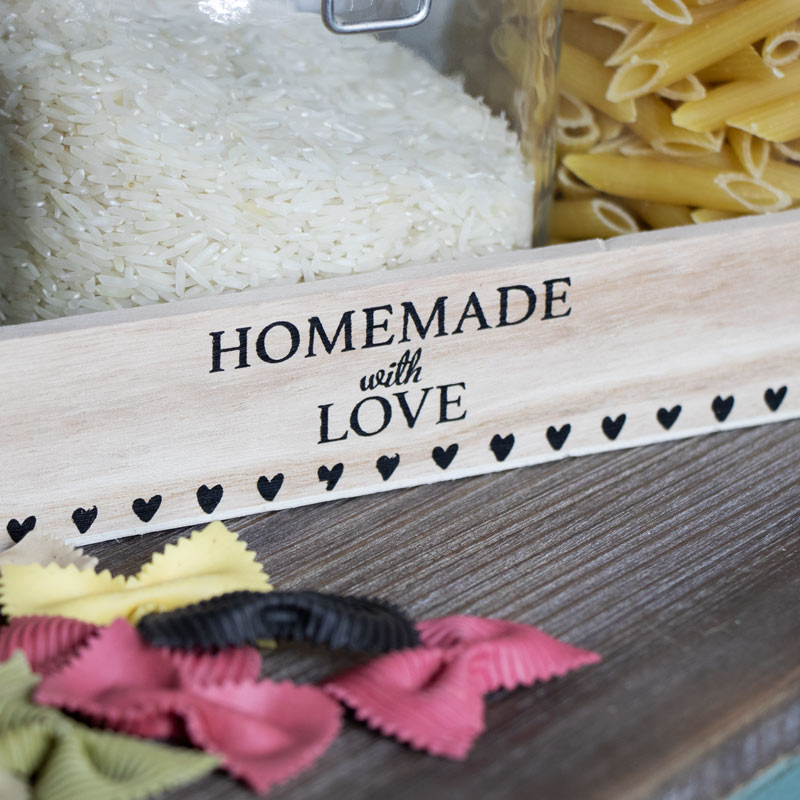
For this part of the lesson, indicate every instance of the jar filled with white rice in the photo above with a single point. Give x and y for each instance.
(156, 150)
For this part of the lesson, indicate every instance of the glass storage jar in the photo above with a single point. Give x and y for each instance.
(154, 150)
(675, 113)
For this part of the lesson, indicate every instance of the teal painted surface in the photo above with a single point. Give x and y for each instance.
(780, 782)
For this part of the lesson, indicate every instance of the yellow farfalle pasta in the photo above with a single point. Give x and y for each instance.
(210, 562)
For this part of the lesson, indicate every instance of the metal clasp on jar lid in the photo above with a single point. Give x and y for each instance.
(336, 25)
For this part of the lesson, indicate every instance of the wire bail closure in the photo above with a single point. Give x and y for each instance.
(334, 24)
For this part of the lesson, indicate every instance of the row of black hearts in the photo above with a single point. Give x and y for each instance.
(268, 488)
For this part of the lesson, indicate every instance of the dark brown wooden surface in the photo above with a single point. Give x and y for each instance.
(680, 563)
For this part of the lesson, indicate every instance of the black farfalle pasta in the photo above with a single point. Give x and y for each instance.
(358, 624)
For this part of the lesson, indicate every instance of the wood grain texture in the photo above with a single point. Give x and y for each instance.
(679, 562)
(685, 318)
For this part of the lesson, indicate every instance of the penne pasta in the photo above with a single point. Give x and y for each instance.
(714, 128)
(782, 48)
(785, 177)
(609, 128)
(654, 125)
(789, 150)
(677, 183)
(618, 24)
(752, 152)
(744, 65)
(508, 47)
(756, 194)
(660, 215)
(576, 139)
(776, 121)
(638, 147)
(724, 161)
(587, 78)
(617, 144)
(700, 46)
(580, 31)
(684, 90)
(674, 11)
(627, 46)
(733, 99)
(661, 32)
(700, 215)
(571, 187)
(590, 218)
(572, 112)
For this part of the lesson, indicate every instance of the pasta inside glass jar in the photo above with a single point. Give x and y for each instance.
(675, 113)
(156, 150)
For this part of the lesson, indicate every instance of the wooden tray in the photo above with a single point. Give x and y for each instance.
(144, 419)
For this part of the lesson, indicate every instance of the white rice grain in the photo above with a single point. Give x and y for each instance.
(163, 156)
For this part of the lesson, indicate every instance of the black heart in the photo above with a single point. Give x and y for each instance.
(722, 408)
(444, 458)
(331, 475)
(209, 498)
(84, 518)
(612, 427)
(501, 446)
(269, 489)
(18, 530)
(387, 465)
(667, 418)
(557, 436)
(774, 399)
(146, 509)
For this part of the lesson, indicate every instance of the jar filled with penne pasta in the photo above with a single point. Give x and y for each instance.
(159, 150)
(675, 112)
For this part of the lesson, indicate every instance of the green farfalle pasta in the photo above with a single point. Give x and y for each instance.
(64, 760)
(11, 788)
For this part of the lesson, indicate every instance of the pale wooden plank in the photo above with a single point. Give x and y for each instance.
(120, 407)
(679, 562)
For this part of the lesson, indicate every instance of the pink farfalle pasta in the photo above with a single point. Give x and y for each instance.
(131, 686)
(62, 759)
(47, 642)
(416, 696)
(432, 697)
(503, 655)
(264, 732)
